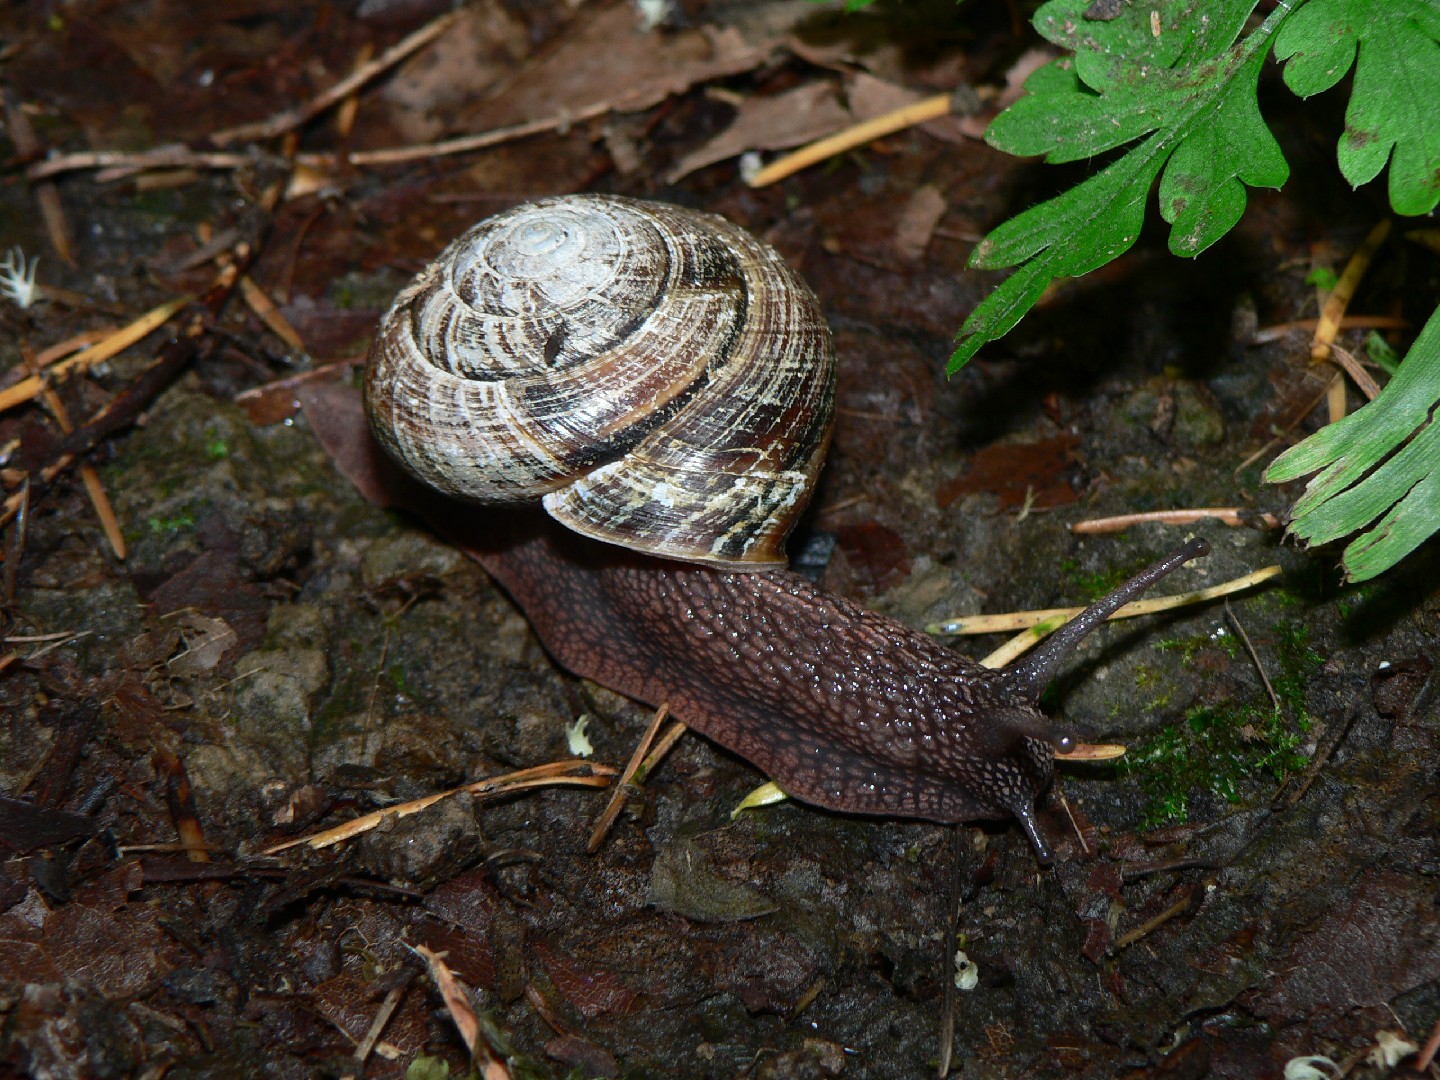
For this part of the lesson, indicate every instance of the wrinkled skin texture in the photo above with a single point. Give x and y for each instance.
(845, 708)
(842, 707)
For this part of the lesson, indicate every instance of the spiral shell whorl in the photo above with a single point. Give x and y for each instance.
(662, 379)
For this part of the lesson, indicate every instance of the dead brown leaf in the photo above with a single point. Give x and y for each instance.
(797, 116)
(1038, 473)
(585, 68)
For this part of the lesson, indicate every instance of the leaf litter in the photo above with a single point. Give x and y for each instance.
(335, 700)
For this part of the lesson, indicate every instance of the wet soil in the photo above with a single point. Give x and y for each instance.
(276, 655)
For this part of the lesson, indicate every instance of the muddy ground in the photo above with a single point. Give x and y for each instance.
(275, 655)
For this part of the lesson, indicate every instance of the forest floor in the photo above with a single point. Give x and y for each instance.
(274, 656)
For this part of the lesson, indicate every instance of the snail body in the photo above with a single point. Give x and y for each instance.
(842, 707)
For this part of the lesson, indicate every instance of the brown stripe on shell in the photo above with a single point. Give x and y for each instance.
(694, 431)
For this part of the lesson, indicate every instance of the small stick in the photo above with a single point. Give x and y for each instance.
(88, 475)
(1323, 752)
(172, 156)
(457, 1001)
(1349, 322)
(461, 144)
(1042, 618)
(382, 1017)
(1226, 515)
(555, 773)
(663, 747)
(345, 115)
(293, 118)
(27, 145)
(118, 342)
(160, 157)
(1335, 403)
(617, 797)
(1335, 305)
(1328, 324)
(1187, 904)
(181, 800)
(1358, 375)
(121, 410)
(1023, 642)
(919, 112)
(61, 349)
(59, 635)
(1254, 656)
(261, 304)
(1090, 752)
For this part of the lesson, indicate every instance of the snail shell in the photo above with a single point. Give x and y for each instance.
(658, 377)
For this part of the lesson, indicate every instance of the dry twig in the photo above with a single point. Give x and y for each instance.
(622, 786)
(1335, 305)
(1226, 515)
(919, 112)
(1048, 620)
(1038, 629)
(294, 118)
(1276, 331)
(88, 474)
(27, 145)
(1254, 656)
(553, 774)
(114, 344)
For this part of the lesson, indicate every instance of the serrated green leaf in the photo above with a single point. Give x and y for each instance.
(1108, 209)
(1188, 91)
(1189, 29)
(1378, 468)
(1393, 104)
(1203, 191)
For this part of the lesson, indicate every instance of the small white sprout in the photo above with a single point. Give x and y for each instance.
(750, 164)
(576, 738)
(967, 972)
(1390, 1048)
(1311, 1067)
(653, 12)
(17, 278)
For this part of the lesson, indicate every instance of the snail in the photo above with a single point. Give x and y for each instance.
(662, 381)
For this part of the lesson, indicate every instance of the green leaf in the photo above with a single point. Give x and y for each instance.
(428, 1068)
(1188, 93)
(1396, 95)
(1108, 209)
(1379, 469)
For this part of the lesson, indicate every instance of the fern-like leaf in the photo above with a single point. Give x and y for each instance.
(1171, 73)
(1394, 46)
(1379, 469)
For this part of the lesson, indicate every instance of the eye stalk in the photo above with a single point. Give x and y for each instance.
(1029, 675)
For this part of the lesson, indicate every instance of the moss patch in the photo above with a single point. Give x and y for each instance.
(1229, 750)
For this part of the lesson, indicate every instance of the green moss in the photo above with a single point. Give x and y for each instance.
(1231, 751)
(1299, 663)
(1187, 647)
(1222, 750)
(174, 524)
(1093, 586)
(1154, 684)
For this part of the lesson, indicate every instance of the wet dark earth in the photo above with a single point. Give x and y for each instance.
(1254, 881)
